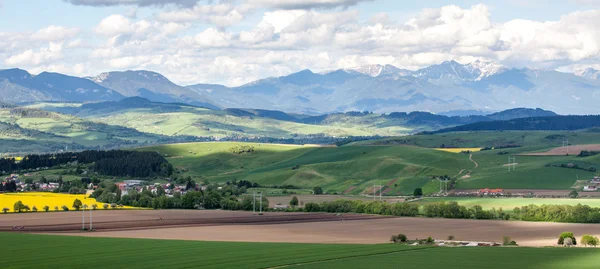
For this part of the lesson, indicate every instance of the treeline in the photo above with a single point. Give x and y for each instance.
(111, 162)
(135, 164)
(530, 124)
(558, 213)
(452, 210)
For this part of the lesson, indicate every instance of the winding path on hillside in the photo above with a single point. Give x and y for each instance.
(471, 158)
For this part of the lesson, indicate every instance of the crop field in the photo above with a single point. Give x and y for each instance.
(41, 199)
(508, 204)
(466, 258)
(146, 253)
(459, 150)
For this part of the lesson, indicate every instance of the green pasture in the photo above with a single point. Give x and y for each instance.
(48, 251)
(508, 204)
(335, 169)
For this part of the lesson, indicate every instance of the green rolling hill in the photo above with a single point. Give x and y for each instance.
(401, 167)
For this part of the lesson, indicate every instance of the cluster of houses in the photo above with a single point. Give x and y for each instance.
(169, 188)
(22, 186)
(593, 185)
(480, 192)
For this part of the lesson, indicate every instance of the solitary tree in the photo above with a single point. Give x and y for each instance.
(18, 207)
(294, 201)
(5, 210)
(564, 236)
(317, 190)
(418, 192)
(573, 194)
(77, 204)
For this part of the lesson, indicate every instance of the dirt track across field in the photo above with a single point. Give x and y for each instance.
(287, 227)
(561, 151)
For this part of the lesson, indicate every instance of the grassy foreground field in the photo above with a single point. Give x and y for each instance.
(46, 251)
(507, 204)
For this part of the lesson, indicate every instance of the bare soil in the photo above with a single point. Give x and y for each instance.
(287, 227)
(571, 150)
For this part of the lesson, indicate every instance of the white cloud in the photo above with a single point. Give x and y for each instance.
(177, 44)
(30, 57)
(54, 33)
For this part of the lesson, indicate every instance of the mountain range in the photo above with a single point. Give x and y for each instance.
(450, 87)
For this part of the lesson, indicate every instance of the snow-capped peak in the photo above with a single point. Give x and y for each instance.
(484, 69)
(100, 78)
(588, 73)
(376, 70)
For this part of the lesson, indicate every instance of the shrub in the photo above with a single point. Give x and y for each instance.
(394, 239)
(105, 206)
(65, 208)
(429, 240)
(402, 238)
(451, 237)
(34, 209)
(55, 208)
(5, 210)
(565, 235)
(294, 201)
(94, 206)
(588, 240)
(46, 208)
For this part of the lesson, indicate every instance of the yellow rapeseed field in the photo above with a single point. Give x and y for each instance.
(459, 150)
(41, 199)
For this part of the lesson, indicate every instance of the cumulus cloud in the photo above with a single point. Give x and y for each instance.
(288, 40)
(30, 57)
(54, 33)
(221, 15)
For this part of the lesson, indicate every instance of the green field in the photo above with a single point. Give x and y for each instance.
(46, 251)
(508, 204)
(354, 168)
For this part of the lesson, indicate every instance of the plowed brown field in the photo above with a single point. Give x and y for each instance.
(286, 227)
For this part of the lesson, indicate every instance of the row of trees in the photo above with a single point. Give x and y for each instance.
(558, 213)
(371, 207)
(453, 210)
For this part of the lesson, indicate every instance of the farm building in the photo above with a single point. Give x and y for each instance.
(487, 191)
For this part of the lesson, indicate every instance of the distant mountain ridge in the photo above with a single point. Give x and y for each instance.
(448, 86)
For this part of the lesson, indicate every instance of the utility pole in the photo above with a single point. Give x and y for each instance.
(91, 218)
(260, 204)
(254, 204)
(82, 218)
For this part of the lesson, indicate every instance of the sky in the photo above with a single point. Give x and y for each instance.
(233, 42)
